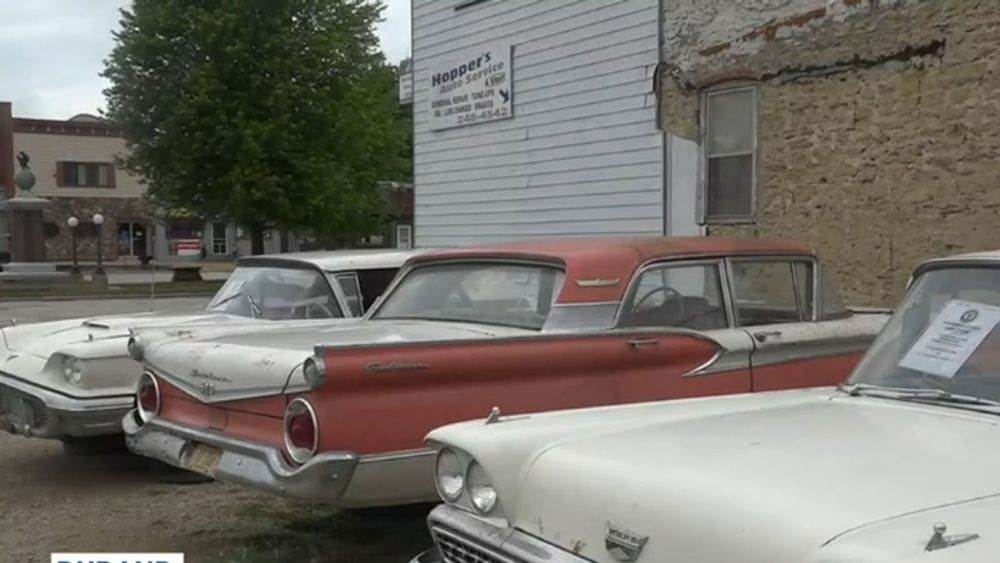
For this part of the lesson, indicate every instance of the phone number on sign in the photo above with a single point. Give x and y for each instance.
(485, 115)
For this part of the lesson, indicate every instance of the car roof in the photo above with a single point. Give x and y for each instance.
(600, 261)
(340, 260)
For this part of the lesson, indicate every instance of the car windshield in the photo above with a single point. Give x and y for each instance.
(943, 343)
(276, 294)
(515, 295)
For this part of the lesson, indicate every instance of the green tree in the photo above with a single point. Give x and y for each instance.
(275, 113)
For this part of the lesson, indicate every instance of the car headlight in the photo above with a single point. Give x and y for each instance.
(449, 475)
(72, 369)
(481, 490)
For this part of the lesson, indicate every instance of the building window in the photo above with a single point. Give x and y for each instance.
(220, 239)
(729, 145)
(86, 175)
(404, 236)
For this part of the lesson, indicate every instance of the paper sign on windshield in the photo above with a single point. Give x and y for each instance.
(953, 336)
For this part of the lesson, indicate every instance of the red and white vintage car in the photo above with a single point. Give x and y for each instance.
(339, 414)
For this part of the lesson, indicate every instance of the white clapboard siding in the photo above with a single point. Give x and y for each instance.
(582, 155)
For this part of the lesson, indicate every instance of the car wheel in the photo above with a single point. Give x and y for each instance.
(94, 446)
(169, 474)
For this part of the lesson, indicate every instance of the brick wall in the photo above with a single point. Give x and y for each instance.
(879, 129)
(58, 246)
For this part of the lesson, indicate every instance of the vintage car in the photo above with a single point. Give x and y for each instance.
(73, 380)
(523, 326)
(897, 464)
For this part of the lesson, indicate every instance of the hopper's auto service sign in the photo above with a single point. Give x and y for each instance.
(472, 88)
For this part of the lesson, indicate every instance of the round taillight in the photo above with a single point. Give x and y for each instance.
(147, 397)
(301, 431)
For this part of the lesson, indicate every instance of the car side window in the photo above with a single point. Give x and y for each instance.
(831, 304)
(374, 283)
(678, 296)
(771, 291)
(352, 293)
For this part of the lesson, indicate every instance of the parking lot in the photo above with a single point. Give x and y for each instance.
(53, 502)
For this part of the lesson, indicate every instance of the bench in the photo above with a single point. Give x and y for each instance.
(186, 273)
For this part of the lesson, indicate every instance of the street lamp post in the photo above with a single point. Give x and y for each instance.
(73, 223)
(99, 277)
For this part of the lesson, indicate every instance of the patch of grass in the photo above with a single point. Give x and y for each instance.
(11, 292)
(318, 534)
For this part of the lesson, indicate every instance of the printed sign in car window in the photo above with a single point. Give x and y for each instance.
(951, 338)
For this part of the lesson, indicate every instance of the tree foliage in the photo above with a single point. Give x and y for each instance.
(275, 113)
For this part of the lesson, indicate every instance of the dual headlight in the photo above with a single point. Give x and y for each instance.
(72, 369)
(455, 478)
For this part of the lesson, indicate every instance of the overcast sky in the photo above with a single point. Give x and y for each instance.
(51, 52)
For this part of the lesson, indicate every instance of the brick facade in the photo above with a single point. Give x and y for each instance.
(878, 130)
(58, 243)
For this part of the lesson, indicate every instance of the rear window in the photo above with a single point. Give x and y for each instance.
(516, 295)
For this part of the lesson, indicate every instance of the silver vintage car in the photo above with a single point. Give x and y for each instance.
(898, 464)
(73, 380)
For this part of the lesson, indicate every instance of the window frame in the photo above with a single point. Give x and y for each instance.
(725, 289)
(408, 229)
(788, 259)
(337, 276)
(63, 176)
(703, 162)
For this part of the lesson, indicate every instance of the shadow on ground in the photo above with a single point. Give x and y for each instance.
(316, 534)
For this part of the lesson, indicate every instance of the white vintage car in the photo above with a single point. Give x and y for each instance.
(73, 380)
(898, 464)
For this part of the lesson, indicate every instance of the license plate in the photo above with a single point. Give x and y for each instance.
(204, 459)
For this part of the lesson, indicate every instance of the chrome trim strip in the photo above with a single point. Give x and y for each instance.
(396, 456)
(796, 351)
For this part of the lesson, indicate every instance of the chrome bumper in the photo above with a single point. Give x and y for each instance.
(323, 478)
(30, 410)
(461, 537)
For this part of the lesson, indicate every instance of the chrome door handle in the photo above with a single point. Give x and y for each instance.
(636, 344)
(764, 335)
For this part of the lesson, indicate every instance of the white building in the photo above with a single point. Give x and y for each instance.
(540, 118)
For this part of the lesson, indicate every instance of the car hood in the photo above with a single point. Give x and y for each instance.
(217, 366)
(44, 339)
(767, 478)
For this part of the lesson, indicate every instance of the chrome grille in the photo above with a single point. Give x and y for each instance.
(458, 549)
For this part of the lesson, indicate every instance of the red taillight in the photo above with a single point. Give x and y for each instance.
(147, 396)
(301, 433)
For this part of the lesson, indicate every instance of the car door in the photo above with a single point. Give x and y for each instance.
(670, 311)
(799, 341)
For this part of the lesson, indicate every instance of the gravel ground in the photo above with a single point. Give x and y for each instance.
(50, 501)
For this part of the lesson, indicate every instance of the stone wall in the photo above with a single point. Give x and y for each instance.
(879, 129)
(58, 242)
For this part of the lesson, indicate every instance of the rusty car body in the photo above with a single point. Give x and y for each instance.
(339, 414)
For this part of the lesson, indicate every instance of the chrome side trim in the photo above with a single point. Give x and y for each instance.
(796, 351)
(397, 456)
(735, 349)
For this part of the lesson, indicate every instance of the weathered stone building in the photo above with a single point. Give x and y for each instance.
(870, 128)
